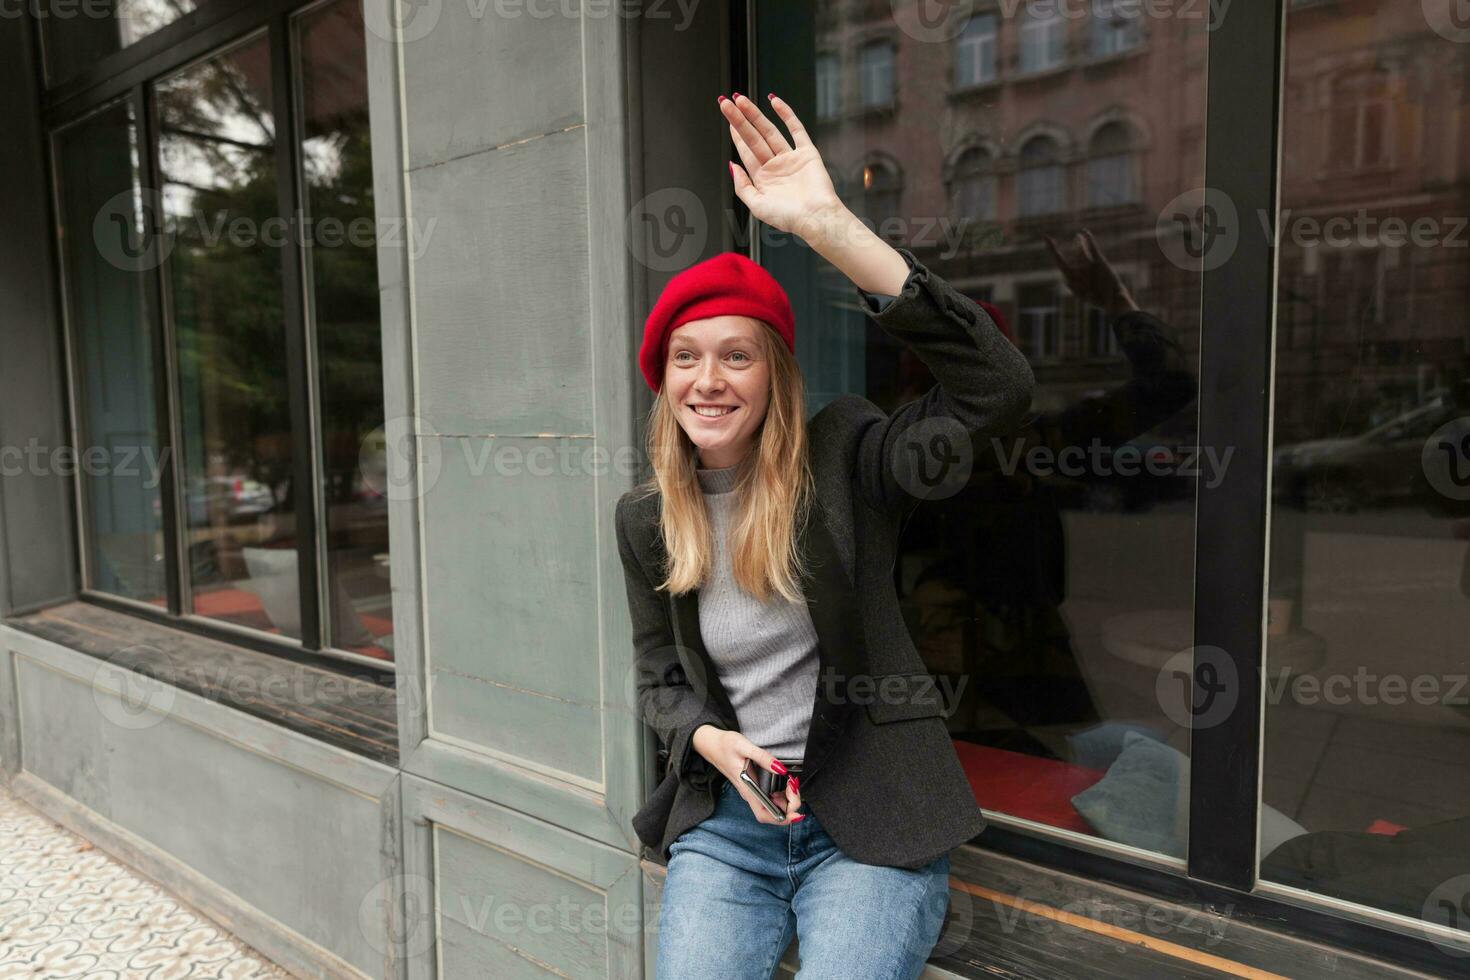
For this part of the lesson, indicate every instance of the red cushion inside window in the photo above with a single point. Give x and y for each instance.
(1026, 786)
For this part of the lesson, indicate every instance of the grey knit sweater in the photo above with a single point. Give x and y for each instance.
(765, 653)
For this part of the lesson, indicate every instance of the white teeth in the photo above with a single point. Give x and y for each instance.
(712, 412)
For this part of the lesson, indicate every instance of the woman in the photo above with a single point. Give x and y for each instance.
(758, 564)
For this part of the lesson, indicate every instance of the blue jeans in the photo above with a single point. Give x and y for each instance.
(738, 889)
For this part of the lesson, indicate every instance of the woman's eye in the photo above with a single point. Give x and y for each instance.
(740, 355)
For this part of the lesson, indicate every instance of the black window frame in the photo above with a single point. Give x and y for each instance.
(128, 75)
(1238, 310)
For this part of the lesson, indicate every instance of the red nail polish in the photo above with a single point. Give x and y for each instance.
(795, 784)
(721, 99)
(798, 818)
(775, 763)
(770, 95)
(734, 95)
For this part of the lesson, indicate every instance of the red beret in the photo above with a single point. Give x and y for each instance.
(727, 285)
(998, 317)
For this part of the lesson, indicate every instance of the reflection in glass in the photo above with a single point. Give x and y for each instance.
(343, 291)
(217, 154)
(77, 34)
(1367, 757)
(103, 261)
(1052, 597)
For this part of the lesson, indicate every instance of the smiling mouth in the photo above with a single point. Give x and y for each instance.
(712, 411)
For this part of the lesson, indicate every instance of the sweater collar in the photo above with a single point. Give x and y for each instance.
(721, 480)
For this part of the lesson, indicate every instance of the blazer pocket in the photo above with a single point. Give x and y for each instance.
(902, 697)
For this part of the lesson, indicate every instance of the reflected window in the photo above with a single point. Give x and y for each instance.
(1041, 178)
(1040, 321)
(105, 258)
(972, 187)
(1116, 27)
(829, 86)
(875, 66)
(975, 51)
(1112, 179)
(1365, 787)
(882, 188)
(1359, 122)
(1043, 38)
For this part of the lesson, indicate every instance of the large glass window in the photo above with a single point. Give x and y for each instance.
(244, 415)
(342, 289)
(1366, 783)
(217, 150)
(77, 33)
(1054, 588)
(119, 465)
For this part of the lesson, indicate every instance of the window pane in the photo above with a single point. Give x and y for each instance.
(218, 158)
(1051, 595)
(1366, 781)
(104, 269)
(343, 282)
(77, 34)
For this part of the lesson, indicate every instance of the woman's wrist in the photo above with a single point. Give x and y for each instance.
(704, 741)
(840, 237)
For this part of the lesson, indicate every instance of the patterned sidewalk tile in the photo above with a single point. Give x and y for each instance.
(69, 910)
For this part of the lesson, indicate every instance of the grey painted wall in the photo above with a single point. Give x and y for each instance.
(37, 553)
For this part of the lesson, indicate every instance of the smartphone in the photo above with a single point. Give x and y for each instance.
(766, 801)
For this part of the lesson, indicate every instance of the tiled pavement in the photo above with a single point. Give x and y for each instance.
(68, 910)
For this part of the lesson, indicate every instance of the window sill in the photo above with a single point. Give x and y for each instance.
(344, 707)
(1041, 74)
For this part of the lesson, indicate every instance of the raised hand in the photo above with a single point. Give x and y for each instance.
(1089, 275)
(784, 184)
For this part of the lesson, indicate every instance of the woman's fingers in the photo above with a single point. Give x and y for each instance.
(742, 132)
(767, 129)
(752, 164)
(799, 138)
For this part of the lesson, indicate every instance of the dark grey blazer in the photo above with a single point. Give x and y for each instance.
(880, 773)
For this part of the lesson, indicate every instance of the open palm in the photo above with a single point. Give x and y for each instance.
(785, 185)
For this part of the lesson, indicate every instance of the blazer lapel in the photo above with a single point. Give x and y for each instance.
(831, 603)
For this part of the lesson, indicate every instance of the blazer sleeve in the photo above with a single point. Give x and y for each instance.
(984, 382)
(667, 701)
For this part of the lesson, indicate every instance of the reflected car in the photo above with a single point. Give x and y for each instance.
(238, 499)
(1376, 468)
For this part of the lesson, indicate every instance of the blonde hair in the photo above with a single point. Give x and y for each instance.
(774, 484)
